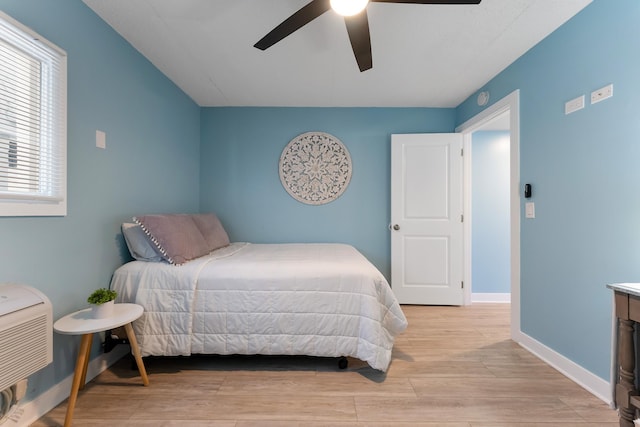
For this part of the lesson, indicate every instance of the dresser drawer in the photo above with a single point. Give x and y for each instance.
(634, 308)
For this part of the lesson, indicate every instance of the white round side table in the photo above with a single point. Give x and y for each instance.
(82, 323)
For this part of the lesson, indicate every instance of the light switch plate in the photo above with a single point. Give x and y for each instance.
(574, 105)
(602, 94)
(101, 139)
(529, 210)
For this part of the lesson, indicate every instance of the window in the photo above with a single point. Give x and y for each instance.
(33, 123)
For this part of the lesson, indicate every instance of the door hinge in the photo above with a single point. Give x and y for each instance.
(462, 151)
(461, 217)
(462, 284)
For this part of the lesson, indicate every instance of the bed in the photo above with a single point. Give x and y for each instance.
(323, 300)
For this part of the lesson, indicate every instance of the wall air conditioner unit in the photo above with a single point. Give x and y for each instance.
(26, 333)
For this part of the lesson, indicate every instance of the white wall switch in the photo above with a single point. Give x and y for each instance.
(602, 94)
(101, 139)
(529, 210)
(574, 105)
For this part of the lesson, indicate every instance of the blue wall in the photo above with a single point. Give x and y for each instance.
(164, 154)
(152, 157)
(490, 238)
(585, 174)
(241, 149)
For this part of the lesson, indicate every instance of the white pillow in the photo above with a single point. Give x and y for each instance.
(138, 243)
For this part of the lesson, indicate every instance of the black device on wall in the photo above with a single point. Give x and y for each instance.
(527, 191)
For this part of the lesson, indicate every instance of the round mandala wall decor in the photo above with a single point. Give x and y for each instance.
(315, 168)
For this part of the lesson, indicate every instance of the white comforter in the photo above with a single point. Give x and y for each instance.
(281, 299)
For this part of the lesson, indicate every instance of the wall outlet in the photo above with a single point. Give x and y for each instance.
(21, 389)
(602, 94)
(574, 105)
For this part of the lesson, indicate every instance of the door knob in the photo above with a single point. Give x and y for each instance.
(396, 227)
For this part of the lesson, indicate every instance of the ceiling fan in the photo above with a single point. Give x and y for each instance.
(355, 17)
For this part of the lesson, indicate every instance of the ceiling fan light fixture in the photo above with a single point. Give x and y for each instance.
(355, 17)
(348, 7)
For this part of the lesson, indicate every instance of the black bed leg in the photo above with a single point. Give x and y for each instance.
(343, 363)
(110, 341)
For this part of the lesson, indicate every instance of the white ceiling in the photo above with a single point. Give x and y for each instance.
(423, 55)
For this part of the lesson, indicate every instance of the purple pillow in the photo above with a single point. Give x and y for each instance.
(176, 236)
(212, 230)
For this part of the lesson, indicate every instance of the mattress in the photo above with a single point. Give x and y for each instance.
(322, 300)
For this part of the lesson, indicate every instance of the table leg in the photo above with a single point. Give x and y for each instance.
(626, 359)
(136, 353)
(81, 363)
(83, 380)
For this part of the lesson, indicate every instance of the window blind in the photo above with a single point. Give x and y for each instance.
(32, 119)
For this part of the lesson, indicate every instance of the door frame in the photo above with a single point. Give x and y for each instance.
(510, 103)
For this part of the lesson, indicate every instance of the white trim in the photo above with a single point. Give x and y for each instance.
(467, 243)
(587, 380)
(509, 103)
(36, 37)
(490, 297)
(33, 410)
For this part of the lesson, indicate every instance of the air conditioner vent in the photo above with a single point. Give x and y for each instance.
(26, 333)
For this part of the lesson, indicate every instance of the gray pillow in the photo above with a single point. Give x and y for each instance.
(212, 231)
(175, 236)
(138, 243)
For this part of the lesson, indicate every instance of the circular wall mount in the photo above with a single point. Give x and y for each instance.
(483, 98)
(315, 168)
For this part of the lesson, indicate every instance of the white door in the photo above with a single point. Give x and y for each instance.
(426, 219)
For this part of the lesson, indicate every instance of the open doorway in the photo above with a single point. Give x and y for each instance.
(489, 218)
(501, 116)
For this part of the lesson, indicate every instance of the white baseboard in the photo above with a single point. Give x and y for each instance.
(30, 412)
(587, 380)
(491, 297)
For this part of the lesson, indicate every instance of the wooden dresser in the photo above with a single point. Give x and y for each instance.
(627, 306)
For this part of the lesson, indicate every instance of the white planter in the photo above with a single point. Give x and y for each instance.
(102, 311)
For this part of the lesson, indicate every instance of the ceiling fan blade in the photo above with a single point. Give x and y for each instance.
(302, 17)
(358, 29)
(429, 1)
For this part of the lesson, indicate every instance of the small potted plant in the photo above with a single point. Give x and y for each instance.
(102, 300)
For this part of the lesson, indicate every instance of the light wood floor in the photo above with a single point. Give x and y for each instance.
(453, 367)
